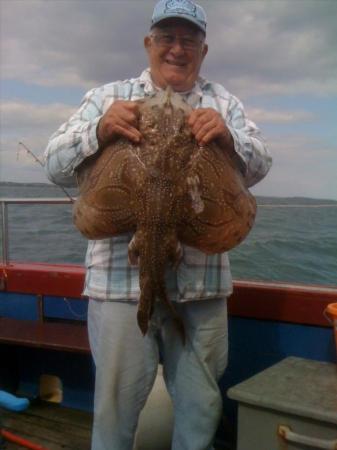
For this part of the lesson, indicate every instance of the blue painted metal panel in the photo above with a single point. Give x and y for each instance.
(18, 306)
(255, 345)
(65, 308)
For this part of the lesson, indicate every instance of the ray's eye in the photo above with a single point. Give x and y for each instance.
(154, 126)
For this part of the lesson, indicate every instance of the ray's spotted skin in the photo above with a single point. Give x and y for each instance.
(168, 191)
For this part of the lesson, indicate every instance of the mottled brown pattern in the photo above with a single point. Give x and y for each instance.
(168, 190)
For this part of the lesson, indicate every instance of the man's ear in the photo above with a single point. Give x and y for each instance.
(204, 51)
(147, 42)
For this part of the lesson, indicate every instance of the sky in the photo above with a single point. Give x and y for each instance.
(278, 57)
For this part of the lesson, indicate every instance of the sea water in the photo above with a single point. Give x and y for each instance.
(293, 239)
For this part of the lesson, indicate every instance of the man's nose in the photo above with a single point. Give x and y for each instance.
(177, 46)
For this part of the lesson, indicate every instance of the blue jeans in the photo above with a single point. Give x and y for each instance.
(126, 367)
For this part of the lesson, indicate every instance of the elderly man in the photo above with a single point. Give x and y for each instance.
(126, 362)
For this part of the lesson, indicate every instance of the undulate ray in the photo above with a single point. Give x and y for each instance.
(168, 191)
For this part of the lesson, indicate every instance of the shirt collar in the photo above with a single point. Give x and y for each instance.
(192, 97)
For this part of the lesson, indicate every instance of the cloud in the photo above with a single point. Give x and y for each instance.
(276, 48)
(247, 86)
(19, 115)
(282, 47)
(260, 115)
(31, 124)
(301, 164)
(101, 37)
(266, 50)
(301, 167)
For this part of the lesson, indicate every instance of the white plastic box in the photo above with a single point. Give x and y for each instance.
(290, 406)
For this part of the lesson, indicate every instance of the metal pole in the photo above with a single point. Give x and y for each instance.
(4, 233)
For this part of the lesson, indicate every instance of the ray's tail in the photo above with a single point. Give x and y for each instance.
(153, 255)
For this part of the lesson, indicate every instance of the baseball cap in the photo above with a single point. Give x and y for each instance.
(182, 9)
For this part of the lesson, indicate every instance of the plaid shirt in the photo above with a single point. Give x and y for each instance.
(108, 275)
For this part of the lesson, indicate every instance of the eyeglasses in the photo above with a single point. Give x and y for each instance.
(168, 40)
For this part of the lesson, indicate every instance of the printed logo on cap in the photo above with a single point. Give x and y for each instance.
(181, 6)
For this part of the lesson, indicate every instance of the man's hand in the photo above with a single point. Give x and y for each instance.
(121, 119)
(208, 125)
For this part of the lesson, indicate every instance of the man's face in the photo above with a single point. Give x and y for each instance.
(176, 51)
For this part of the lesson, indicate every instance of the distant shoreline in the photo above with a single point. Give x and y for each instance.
(261, 199)
(14, 183)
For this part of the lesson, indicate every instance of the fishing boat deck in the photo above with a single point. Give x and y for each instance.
(55, 427)
(49, 425)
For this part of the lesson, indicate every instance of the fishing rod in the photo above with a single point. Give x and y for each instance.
(36, 159)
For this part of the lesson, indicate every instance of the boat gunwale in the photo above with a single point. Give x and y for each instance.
(277, 301)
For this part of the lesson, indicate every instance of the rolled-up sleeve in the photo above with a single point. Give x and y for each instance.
(74, 141)
(248, 143)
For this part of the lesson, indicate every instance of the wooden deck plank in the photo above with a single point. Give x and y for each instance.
(56, 427)
(50, 425)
